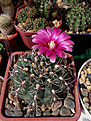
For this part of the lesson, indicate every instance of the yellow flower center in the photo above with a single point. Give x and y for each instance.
(52, 45)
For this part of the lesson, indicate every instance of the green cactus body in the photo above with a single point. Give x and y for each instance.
(78, 18)
(38, 81)
(29, 24)
(39, 23)
(22, 15)
(6, 24)
(27, 12)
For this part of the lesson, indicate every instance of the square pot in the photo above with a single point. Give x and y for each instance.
(26, 36)
(12, 41)
(4, 92)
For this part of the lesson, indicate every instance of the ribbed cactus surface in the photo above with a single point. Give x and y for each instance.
(42, 14)
(40, 82)
(78, 18)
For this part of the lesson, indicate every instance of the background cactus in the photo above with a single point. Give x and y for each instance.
(39, 23)
(40, 82)
(41, 14)
(6, 24)
(27, 12)
(7, 7)
(78, 18)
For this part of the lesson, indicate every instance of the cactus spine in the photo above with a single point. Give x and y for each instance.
(41, 14)
(6, 24)
(78, 18)
(39, 82)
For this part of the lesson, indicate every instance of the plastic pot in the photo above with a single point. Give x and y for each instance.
(4, 94)
(26, 36)
(81, 49)
(86, 114)
(12, 41)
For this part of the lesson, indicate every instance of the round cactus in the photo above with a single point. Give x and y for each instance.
(78, 18)
(27, 12)
(6, 24)
(40, 82)
(39, 23)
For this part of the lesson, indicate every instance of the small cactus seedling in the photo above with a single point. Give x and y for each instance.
(78, 18)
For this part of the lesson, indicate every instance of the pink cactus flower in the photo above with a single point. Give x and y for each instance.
(52, 42)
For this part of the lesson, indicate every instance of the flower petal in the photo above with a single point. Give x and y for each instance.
(42, 50)
(65, 47)
(67, 42)
(40, 41)
(45, 32)
(62, 37)
(44, 36)
(60, 53)
(53, 57)
(55, 33)
(37, 46)
(48, 52)
(49, 30)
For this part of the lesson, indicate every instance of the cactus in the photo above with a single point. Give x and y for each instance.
(27, 12)
(40, 82)
(6, 24)
(7, 7)
(78, 18)
(42, 14)
(39, 23)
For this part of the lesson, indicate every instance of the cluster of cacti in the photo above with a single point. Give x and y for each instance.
(43, 11)
(27, 12)
(6, 24)
(7, 7)
(78, 18)
(40, 82)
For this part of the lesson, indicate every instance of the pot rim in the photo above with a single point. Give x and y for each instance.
(88, 115)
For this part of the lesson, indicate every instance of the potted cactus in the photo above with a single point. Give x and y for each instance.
(41, 87)
(31, 17)
(78, 18)
(77, 23)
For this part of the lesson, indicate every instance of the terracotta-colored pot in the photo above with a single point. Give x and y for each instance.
(26, 36)
(12, 41)
(1, 81)
(75, 91)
